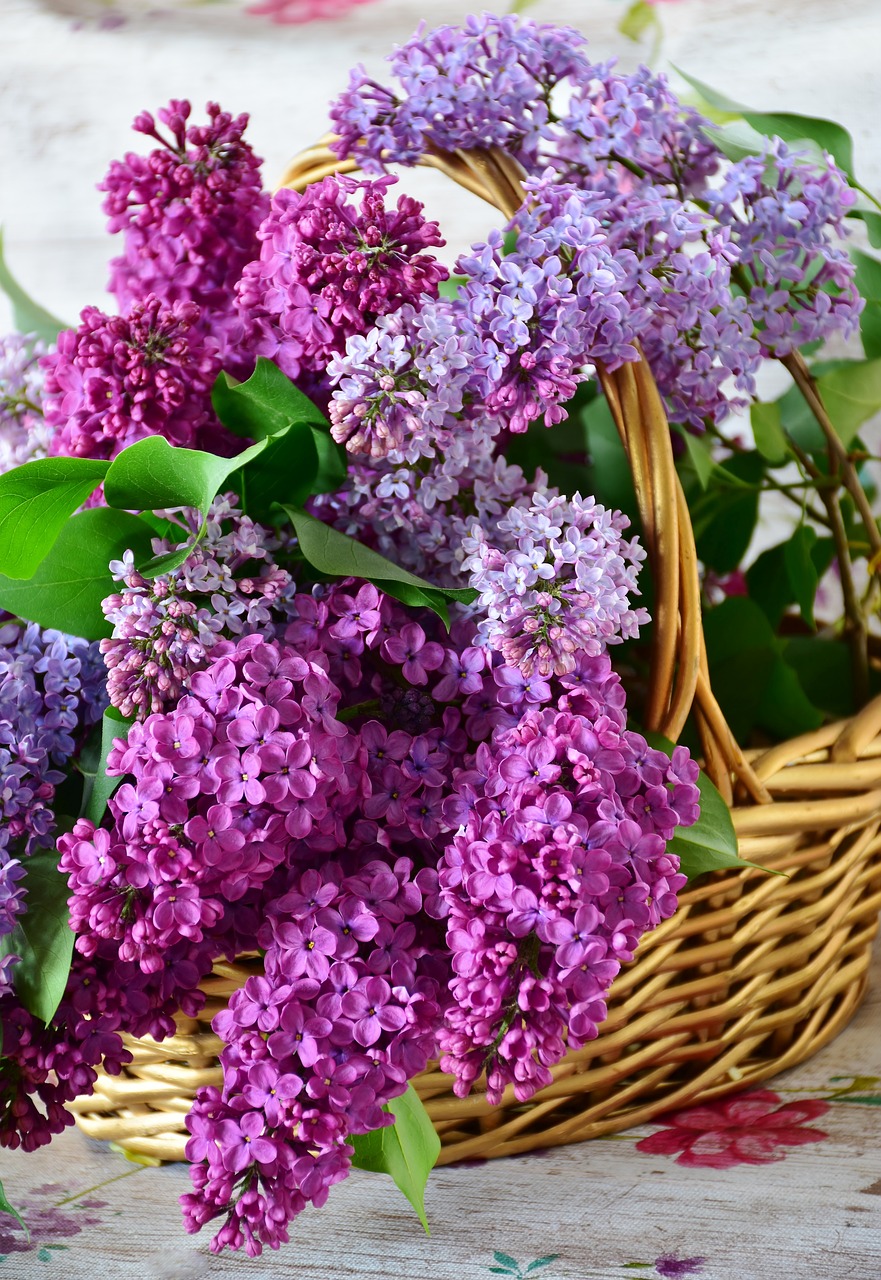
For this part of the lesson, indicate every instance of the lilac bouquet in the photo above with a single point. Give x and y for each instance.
(307, 652)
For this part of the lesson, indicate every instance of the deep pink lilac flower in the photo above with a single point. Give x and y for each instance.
(329, 268)
(189, 213)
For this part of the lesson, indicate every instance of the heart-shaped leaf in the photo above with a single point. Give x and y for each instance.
(406, 1150)
(153, 475)
(67, 589)
(35, 501)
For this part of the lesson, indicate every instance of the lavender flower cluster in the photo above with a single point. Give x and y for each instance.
(724, 264)
(51, 692)
(24, 434)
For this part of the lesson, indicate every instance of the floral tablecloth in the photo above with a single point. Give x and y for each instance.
(781, 1183)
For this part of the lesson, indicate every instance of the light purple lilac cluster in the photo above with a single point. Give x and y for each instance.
(189, 213)
(116, 379)
(510, 348)
(330, 267)
(51, 692)
(24, 434)
(164, 627)
(564, 587)
(784, 214)
(722, 264)
(559, 868)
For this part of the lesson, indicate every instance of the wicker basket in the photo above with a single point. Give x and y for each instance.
(754, 972)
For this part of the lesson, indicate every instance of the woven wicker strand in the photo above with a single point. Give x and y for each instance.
(753, 974)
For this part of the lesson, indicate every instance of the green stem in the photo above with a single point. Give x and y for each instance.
(358, 709)
(857, 628)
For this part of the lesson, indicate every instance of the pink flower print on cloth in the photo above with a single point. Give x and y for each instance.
(748, 1129)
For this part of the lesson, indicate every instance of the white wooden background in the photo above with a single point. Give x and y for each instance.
(69, 90)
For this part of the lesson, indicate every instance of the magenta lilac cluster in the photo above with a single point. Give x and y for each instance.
(329, 267)
(559, 868)
(116, 379)
(188, 213)
(164, 627)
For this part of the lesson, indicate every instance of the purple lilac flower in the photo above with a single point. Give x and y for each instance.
(486, 83)
(510, 348)
(558, 870)
(783, 211)
(189, 213)
(24, 434)
(530, 89)
(346, 1028)
(164, 627)
(117, 379)
(42, 1068)
(563, 589)
(50, 691)
(329, 268)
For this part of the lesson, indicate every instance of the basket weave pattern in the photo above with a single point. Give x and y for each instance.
(754, 972)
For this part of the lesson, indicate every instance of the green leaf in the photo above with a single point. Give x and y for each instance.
(786, 709)
(42, 937)
(712, 96)
(100, 788)
(768, 584)
(72, 580)
(264, 405)
(406, 1150)
(725, 516)
(609, 477)
(872, 220)
(700, 456)
(284, 472)
(868, 281)
(711, 844)
(69, 585)
(168, 561)
(852, 395)
(338, 556)
(639, 19)
(824, 672)
(29, 316)
(753, 682)
(767, 425)
(450, 287)
(305, 459)
(542, 1262)
(35, 501)
(736, 140)
(6, 1207)
(153, 475)
(802, 571)
(332, 468)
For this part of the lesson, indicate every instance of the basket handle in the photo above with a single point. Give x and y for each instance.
(679, 675)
